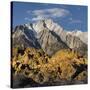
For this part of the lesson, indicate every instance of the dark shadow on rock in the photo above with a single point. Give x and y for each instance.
(79, 68)
(58, 38)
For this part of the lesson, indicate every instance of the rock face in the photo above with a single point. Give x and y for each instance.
(24, 37)
(50, 42)
(49, 36)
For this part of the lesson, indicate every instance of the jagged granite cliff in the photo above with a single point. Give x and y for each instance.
(49, 36)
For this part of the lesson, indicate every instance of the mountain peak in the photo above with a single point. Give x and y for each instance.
(47, 34)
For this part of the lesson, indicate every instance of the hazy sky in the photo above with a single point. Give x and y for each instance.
(70, 17)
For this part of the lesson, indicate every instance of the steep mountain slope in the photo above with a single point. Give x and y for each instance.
(50, 42)
(24, 37)
(49, 36)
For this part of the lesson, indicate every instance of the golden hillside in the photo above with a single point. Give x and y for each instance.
(34, 63)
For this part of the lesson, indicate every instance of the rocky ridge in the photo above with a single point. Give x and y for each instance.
(46, 34)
